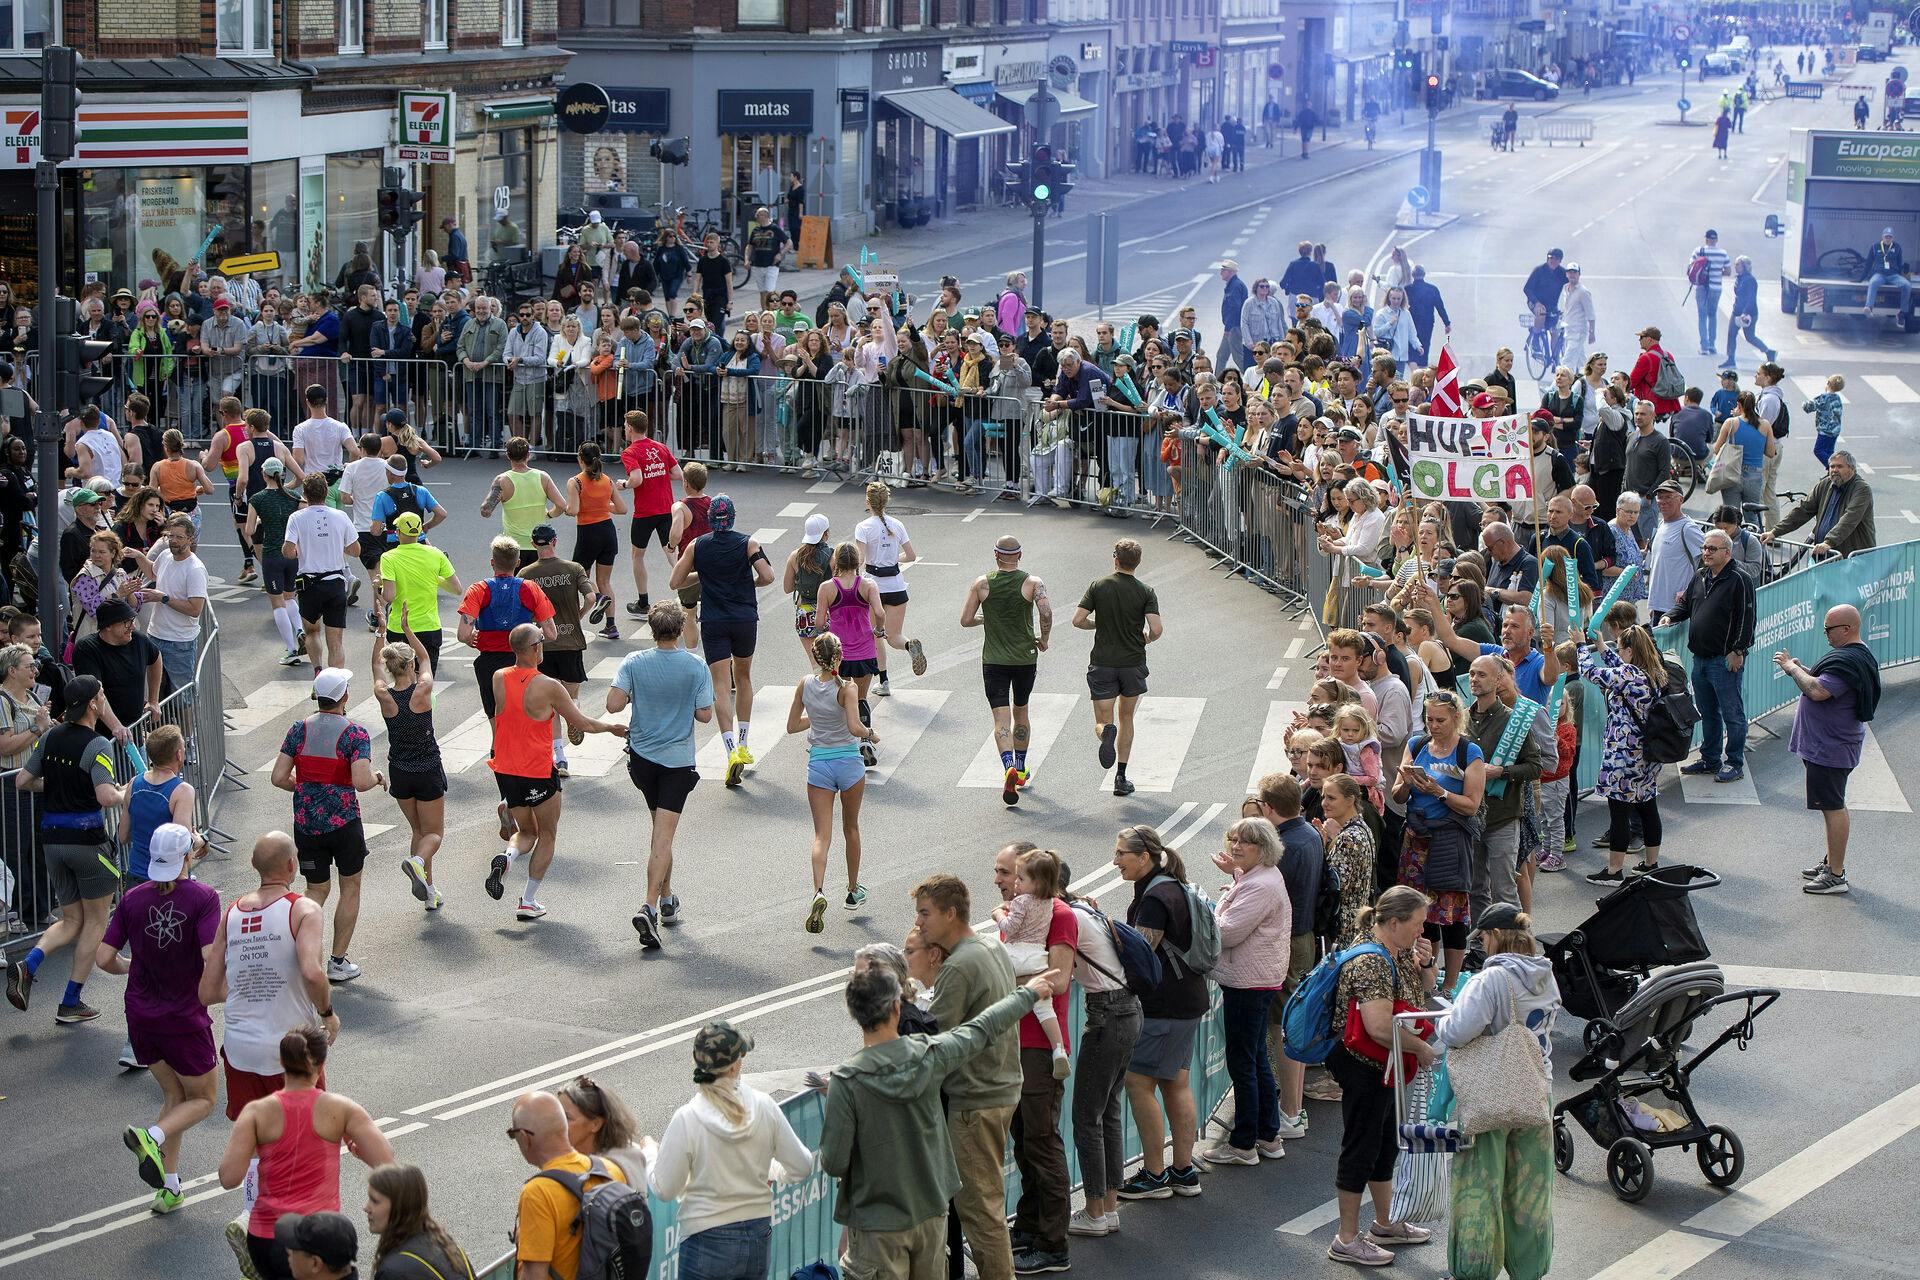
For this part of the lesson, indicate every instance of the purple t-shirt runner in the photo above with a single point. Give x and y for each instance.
(168, 932)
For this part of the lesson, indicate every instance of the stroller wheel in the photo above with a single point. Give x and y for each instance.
(1630, 1170)
(1562, 1147)
(1722, 1158)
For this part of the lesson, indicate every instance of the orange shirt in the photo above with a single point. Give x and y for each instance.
(173, 477)
(522, 746)
(547, 1215)
(596, 499)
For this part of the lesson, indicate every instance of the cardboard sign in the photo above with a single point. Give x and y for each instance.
(248, 263)
(1469, 459)
(816, 242)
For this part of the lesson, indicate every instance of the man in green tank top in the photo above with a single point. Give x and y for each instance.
(1004, 602)
(526, 496)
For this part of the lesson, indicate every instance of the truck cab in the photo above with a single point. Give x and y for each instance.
(1843, 190)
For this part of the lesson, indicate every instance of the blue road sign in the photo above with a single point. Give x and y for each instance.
(1419, 197)
(1684, 105)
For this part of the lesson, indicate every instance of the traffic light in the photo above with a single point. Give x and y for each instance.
(77, 384)
(59, 102)
(398, 217)
(671, 151)
(1040, 178)
(1686, 60)
(1433, 94)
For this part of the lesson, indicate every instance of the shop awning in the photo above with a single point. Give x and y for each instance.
(943, 109)
(1071, 104)
(517, 109)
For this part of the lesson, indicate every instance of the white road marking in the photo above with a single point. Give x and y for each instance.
(1271, 754)
(1893, 390)
(1296, 646)
(267, 704)
(1811, 387)
(973, 515)
(824, 486)
(711, 759)
(797, 510)
(470, 742)
(1311, 1221)
(1911, 518)
(1047, 715)
(1873, 788)
(606, 668)
(596, 756)
(1278, 677)
(372, 829)
(900, 721)
(766, 537)
(1700, 789)
(1165, 727)
(1824, 980)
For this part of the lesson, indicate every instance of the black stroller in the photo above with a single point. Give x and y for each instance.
(1645, 924)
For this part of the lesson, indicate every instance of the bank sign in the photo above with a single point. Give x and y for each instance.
(1880, 157)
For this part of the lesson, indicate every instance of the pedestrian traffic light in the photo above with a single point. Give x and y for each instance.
(671, 151)
(78, 385)
(1433, 94)
(1040, 178)
(398, 216)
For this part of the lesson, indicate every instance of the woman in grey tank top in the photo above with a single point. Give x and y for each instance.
(403, 685)
(839, 746)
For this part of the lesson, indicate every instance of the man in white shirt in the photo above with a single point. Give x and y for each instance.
(362, 482)
(1578, 320)
(320, 443)
(178, 597)
(319, 540)
(1327, 311)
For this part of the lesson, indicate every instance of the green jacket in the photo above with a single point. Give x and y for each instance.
(137, 346)
(885, 1137)
(975, 976)
(1485, 730)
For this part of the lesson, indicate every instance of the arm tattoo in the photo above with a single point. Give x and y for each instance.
(494, 497)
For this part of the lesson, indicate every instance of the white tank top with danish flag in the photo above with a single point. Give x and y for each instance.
(266, 997)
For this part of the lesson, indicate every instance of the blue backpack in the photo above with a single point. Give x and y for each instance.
(1308, 1020)
(1139, 964)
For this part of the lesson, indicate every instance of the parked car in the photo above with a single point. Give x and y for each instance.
(1718, 63)
(1870, 53)
(1511, 82)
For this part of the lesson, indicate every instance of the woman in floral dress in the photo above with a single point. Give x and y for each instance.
(1350, 852)
(1628, 679)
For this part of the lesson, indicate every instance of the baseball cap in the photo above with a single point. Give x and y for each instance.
(1183, 335)
(81, 689)
(83, 496)
(544, 535)
(1485, 400)
(696, 323)
(1542, 415)
(720, 513)
(167, 850)
(1348, 433)
(330, 683)
(593, 215)
(1886, 231)
(273, 467)
(1712, 234)
(1444, 569)
(396, 417)
(1556, 253)
(448, 221)
(329, 1237)
(1501, 915)
(112, 612)
(396, 465)
(1729, 373)
(1667, 486)
(221, 304)
(816, 527)
(407, 522)
(717, 1046)
(1573, 266)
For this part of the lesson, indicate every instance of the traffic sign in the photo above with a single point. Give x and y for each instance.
(1419, 198)
(1684, 105)
(247, 264)
(1681, 31)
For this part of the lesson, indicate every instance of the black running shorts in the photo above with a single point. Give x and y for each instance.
(1009, 683)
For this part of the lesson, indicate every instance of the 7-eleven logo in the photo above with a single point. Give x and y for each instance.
(423, 118)
(251, 924)
(23, 133)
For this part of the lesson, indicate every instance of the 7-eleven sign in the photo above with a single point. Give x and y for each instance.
(426, 117)
(22, 134)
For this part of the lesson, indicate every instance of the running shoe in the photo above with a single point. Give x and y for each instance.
(576, 736)
(610, 631)
(373, 621)
(917, 654)
(353, 591)
(867, 756)
(598, 614)
(1109, 751)
(436, 902)
(856, 897)
(165, 1202)
(736, 766)
(1638, 869)
(1010, 788)
(883, 689)
(1359, 1252)
(1123, 786)
(1827, 883)
(1224, 1152)
(1081, 1223)
(236, 1234)
(525, 911)
(634, 610)
(817, 914)
(1813, 872)
(1185, 1182)
(506, 823)
(1395, 1234)
(20, 982)
(560, 769)
(129, 1060)
(342, 970)
(670, 909)
(746, 756)
(1571, 844)
(1552, 860)
(1146, 1186)
(247, 574)
(292, 658)
(147, 1152)
(78, 1011)
(1035, 1262)
(495, 874)
(1273, 1148)
(416, 871)
(647, 925)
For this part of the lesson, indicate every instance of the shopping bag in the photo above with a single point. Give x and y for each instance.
(1725, 475)
(1421, 1176)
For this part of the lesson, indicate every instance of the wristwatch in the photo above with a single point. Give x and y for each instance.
(328, 1012)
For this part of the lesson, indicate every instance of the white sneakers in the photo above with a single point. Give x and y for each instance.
(1224, 1152)
(1080, 1224)
(342, 970)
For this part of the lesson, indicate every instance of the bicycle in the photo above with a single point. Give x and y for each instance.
(709, 225)
(1544, 343)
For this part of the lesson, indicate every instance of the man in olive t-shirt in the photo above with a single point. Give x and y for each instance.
(564, 657)
(1124, 616)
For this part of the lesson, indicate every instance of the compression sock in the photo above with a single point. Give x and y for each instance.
(283, 623)
(32, 962)
(1006, 760)
(726, 737)
(533, 888)
(740, 731)
(73, 993)
(1020, 759)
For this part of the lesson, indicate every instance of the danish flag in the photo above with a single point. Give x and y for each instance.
(251, 924)
(1446, 386)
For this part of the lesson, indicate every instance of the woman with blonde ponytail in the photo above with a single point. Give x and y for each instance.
(714, 1157)
(884, 547)
(827, 706)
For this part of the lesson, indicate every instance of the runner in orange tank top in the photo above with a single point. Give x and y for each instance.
(593, 501)
(525, 704)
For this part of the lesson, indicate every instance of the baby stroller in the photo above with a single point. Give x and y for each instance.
(1639, 1050)
(1645, 924)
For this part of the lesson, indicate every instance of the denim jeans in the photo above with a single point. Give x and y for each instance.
(737, 1251)
(1256, 1100)
(1716, 692)
(1099, 1085)
(483, 414)
(176, 659)
(1123, 454)
(1707, 303)
(1878, 278)
(1750, 330)
(973, 450)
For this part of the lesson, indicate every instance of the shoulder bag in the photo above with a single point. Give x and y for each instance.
(1500, 1081)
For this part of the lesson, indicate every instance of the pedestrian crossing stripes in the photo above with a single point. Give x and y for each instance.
(1047, 715)
(1271, 755)
(900, 721)
(1166, 726)
(1893, 390)
(1809, 387)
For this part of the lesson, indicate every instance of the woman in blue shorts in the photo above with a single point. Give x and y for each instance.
(827, 706)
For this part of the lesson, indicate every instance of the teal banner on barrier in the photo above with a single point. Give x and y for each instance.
(803, 1227)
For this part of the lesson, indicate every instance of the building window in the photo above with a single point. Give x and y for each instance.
(353, 32)
(513, 22)
(245, 28)
(433, 24)
(850, 15)
(763, 13)
(26, 26)
(610, 13)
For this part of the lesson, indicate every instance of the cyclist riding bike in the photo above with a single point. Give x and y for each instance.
(1371, 114)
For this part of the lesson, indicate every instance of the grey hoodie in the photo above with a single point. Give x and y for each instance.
(1482, 1006)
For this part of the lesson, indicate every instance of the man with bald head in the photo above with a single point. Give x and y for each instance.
(1837, 698)
(546, 1241)
(1004, 603)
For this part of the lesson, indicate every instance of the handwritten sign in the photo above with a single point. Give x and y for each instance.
(1469, 459)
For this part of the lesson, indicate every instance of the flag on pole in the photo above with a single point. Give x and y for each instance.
(1446, 387)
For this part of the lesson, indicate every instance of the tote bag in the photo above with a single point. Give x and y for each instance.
(1500, 1081)
(1725, 475)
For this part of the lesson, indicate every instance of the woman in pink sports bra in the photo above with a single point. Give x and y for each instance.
(286, 1148)
(851, 606)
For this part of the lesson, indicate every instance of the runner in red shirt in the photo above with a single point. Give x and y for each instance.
(652, 472)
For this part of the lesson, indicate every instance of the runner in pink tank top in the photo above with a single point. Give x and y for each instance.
(851, 604)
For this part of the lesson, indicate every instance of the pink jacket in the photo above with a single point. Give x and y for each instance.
(1256, 930)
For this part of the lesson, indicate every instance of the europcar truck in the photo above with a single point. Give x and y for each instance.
(1844, 189)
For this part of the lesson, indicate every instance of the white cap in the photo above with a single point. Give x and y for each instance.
(593, 215)
(1573, 266)
(167, 850)
(816, 527)
(330, 683)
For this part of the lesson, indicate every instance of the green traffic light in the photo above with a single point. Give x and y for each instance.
(1041, 192)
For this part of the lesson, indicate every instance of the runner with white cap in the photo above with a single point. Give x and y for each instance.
(808, 565)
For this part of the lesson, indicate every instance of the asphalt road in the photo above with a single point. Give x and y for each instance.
(458, 1012)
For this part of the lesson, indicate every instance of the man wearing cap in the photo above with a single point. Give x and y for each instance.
(412, 576)
(1886, 265)
(72, 767)
(326, 760)
(1545, 285)
(1232, 303)
(125, 661)
(360, 486)
(1004, 602)
(399, 497)
(456, 259)
(730, 567)
(168, 922)
(698, 362)
(1577, 316)
(319, 1246)
(1646, 371)
(224, 340)
(1709, 266)
(1673, 550)
(564, 582)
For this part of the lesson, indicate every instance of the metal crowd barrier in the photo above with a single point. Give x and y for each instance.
(1524, 131)
(1558, 128)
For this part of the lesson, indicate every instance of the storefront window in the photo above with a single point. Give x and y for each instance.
(752, 172)
(508, 174)
(274, 215)
(245, 27)
(25, 25)
(353, 215)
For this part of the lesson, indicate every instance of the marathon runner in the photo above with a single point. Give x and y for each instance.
(883, 544)
(565, 585)
(267, 514)
(225, 446)
(412, 576)
(403, 686)
(250, 456)
(809, 565)
(670, 690)
(523, 765)
(490, 611)
(688, 521)
(730, 567)
(593, 502)
(525, 495)
(326, 760)
(829, 707)
(1124, 615)
(361, 484)
(319, 539)
(852, 606)
(168, 922)
(652, 471)
(1004, 602)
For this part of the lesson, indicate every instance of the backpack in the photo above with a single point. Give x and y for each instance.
(1202, 951)
(1668, 382)
(614, 1225)
(1781, 423)
(1698, 268)
(1307, 1021)
(1666, 731)
(406, 497)
(1140, 970)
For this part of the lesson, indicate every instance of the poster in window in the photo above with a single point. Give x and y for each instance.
(313, 221)
(167, 225)
(606, 166)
